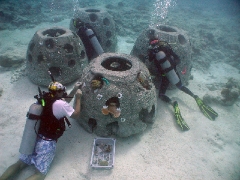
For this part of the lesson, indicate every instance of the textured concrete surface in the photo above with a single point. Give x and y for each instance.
(124, 80)
(56, 49)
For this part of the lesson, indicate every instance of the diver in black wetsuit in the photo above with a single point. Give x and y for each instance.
(87, 44)
(166, 61)
(89, 38)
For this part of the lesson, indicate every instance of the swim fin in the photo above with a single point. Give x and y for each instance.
(206, 110)
(179, 118)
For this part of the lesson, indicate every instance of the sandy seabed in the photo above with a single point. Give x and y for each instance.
(210, 150)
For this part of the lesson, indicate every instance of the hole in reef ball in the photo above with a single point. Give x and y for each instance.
(54, 32)
(71, 63)
(49, 43)
(40, 58)
(181, 39)
(92, 10)
(83, 54)
(108, 43)
(108, 34)
(93, 17)
(68, 48)
(106, 21)
(166, 28)
(116, 64)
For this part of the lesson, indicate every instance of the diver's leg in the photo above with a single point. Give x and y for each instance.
(184, 89)
(164, 83)
(180, 86)
(206, 110)
(37, 176)
(13, 169)
(163, 87)
(165, 98)
(45, 152)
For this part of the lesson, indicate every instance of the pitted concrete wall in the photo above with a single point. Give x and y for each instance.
(101, 22)
(56, 49)
(126, 79)
(179, 42)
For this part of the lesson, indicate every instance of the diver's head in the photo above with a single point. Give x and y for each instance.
(152, 35)
(57, 89)
(78, 23)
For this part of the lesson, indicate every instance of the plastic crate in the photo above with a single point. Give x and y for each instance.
(103, 153)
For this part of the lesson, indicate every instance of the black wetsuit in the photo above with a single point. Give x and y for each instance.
(91, 53)
(164, 82)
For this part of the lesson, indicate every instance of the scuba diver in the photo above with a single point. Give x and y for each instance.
(166, 61)
(52, 111)
(89, 38)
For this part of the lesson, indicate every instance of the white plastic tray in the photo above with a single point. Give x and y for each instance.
(103, 153)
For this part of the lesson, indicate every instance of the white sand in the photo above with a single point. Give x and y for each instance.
(210, 150)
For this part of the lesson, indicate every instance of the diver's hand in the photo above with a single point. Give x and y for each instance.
(77, 86)
(73, 91)
(78, 94)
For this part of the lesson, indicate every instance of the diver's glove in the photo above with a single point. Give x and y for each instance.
(206, 110)
(179, 118)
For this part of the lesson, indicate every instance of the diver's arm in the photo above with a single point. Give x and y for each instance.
(74, 90)
(77, 106)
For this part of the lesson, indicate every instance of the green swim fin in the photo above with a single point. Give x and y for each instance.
(179, 118)
(206, 110)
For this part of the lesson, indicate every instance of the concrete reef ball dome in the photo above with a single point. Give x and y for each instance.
(122, 81)
(101, 22)
(56, 49)
(179, 42)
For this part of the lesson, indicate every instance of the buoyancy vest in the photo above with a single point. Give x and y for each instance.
(51, 128)
(165, 60)
(170, 56)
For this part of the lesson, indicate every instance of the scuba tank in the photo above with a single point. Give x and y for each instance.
(30, 132)
(167, 68)
(31, 128)
(94, 41)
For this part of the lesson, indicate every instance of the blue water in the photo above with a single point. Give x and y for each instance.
(216, 22)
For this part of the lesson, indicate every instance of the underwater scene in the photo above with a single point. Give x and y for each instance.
(113, 89)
